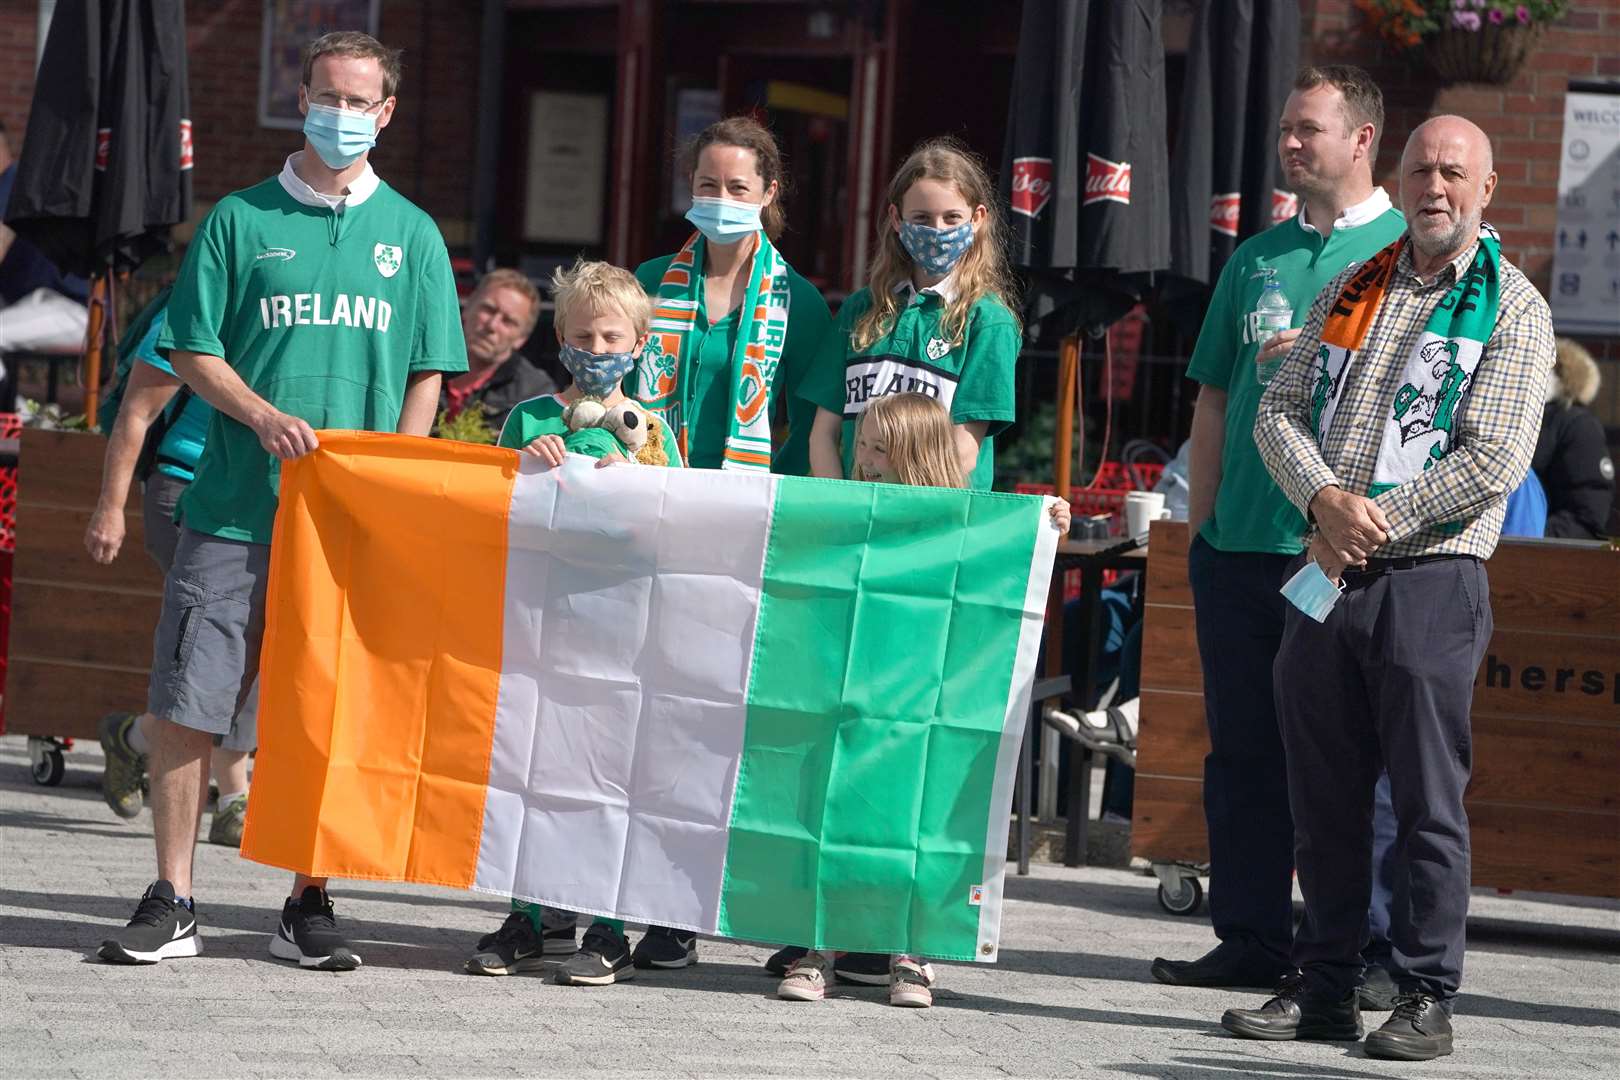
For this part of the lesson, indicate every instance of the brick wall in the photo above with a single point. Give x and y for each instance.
(1524, 118)
(426, 151)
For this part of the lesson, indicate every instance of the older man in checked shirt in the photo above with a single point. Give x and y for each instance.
(1387, 679)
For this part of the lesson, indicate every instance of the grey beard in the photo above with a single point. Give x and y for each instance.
(1449, 241)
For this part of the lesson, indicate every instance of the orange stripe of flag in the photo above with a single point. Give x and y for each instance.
(382, 658)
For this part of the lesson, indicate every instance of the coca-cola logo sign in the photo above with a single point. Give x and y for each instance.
(1223, 212)
(1284, 205)
(1031, 185)
(1107, 180)
(185, 145)
(103, 148)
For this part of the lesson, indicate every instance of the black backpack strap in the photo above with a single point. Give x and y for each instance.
(150, 458)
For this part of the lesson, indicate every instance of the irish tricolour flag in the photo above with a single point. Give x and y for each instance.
(777, 709)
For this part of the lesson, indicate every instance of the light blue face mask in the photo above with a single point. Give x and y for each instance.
(936, 251)
(597, 374)
(1312, 592)
(724, 221)
(339, 136)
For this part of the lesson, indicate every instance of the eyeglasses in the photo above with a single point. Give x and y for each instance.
(334, 100)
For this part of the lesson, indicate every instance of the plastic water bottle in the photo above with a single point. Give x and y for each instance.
(1272, 315)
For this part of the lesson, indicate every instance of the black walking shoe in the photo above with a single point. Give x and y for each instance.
(863, 968)
(513, 948)
(160, 930)
(1297, 1013)
(661, 947)
(1418, 1030)
(1231, 963)
(308, 934)
(603, 958)
(1377, 992)
(783, 959)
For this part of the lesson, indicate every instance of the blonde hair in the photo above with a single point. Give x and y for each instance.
(981, 272)
(600, 287)
(518, 282)
(920, 437)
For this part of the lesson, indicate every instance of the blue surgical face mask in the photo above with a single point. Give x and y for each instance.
(936, 251)
(724, 221)
(339, 136)
(597, 374)
(1312, 592)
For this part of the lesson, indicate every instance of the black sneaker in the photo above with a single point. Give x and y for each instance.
(308, 934)
(603, 958)
(513, 948)
(160, 930)
(1418, 1030)
(1298, 1012)
(783, 959)
(865, 968)
(662, 947)
(1377, 991)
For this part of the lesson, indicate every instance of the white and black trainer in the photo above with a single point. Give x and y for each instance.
(161, 929)
(603, 958)
(308, 933)
(515, 947)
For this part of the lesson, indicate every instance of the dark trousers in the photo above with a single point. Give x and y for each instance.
(1387, 682)
(1239, 615)
(1385, 866)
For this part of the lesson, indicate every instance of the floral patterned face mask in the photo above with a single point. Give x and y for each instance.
(936, 251)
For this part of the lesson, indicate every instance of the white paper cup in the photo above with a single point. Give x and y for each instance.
(1141, 509)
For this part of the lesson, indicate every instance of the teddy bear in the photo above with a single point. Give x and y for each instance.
(627, 422)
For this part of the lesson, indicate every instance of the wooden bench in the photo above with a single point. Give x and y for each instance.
(1544, 801)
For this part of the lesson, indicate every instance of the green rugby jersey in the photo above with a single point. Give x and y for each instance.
(1251, 512)
(973, 379)
(324, 314)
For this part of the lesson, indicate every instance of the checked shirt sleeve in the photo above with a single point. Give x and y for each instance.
(1282, 425)
(1497, 427)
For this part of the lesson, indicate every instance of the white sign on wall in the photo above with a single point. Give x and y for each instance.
(1585, 293)
(568, 153)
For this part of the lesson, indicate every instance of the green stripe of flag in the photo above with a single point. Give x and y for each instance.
(880, 685)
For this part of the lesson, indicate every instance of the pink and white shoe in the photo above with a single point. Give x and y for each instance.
(910, 983)
(806, 980)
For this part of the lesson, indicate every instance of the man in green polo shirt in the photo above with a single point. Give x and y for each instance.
(320, 298)
(1246, 530)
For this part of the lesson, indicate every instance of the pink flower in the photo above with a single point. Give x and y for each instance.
(1523, 15)
(1468, 20)
(1496, 17)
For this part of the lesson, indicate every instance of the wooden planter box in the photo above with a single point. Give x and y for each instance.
(1543, 805)
(81, 633)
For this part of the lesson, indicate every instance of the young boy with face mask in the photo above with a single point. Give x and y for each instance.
(603, 318)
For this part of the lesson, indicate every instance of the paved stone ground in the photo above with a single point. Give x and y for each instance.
(1071, 996)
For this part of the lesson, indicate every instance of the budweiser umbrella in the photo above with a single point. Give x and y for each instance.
(1084, 169)
(105, 167)
(1224, 174)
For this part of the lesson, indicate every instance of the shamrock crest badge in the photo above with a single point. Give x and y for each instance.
(388, 258)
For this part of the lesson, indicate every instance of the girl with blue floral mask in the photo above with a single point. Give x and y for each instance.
(936, 316)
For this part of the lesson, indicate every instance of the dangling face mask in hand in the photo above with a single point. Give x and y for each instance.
(936, 251)
(1312, 591)
(723, 221)
(339, 136)
(596, 374)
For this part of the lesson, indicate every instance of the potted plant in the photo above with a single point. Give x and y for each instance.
(1464, 40)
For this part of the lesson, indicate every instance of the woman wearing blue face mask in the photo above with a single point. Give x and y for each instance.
(935, 318)
(734, 327)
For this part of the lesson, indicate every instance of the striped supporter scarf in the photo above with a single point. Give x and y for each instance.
(1421, 428)
(762, 329)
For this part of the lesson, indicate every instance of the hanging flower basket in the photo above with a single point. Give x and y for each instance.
(1485, 41)
(1491, 54)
